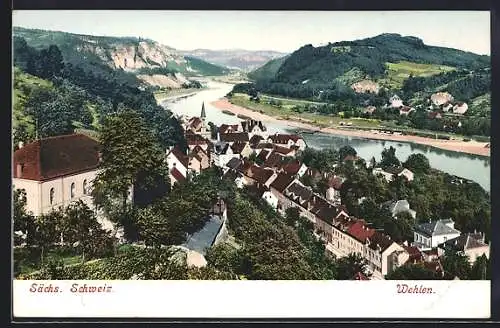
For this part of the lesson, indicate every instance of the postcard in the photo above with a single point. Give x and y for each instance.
(251, 164)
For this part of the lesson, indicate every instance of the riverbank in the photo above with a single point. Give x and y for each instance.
(175, 94)
(470, 147)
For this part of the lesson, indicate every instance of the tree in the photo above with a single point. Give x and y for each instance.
(130, 156)
(292, 215)
(412, 272)
(417, 163)
(81, 228)
(23, 221)
(346, 151)
(350, 265)
(227, 258)
(47, 230)
(481, 269)
(389, 158)
(456, 264)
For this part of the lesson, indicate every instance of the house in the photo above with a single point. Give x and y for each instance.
(229, 128)
(241, 148)
(446, 107)
(470, 244)
(405, 110)
(389, 173)
(234, 137)
(222, 153)
(369, 110)
(399, 206)
(253, 127)
(213, 232)
(255, 140)
(178, 165)
(263, 155)
(259, 175)
(265, 193)
(198, 125)
(430, 234)
(198, 160)
(193, 140)
(278, 187)
(460, 108)
(56, 171)
(395, 101)
(287, 140)
(285, 151)
(333, 191)
(441, 98)
(295, 168)
(274, 160)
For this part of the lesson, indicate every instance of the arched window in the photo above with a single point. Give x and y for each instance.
(85, 187)
(72, 190)
(51, 196)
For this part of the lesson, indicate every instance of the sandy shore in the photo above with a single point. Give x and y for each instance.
(471, 147)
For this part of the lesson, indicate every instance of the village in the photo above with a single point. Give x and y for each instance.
(277, 181)
(236, 149)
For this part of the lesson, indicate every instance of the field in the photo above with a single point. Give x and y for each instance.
(398, 72)
(285, 112)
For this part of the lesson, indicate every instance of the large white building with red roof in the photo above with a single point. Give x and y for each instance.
(56, 171)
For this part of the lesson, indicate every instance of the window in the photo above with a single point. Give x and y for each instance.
(51, 196)
(72, 190)
(84, 187)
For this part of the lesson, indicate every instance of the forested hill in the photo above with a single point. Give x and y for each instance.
(54, 97)
(130, 54)
(386, 60)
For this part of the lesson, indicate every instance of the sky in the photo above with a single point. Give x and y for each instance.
(283, 31)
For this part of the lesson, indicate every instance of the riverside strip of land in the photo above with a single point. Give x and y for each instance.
(470, 147)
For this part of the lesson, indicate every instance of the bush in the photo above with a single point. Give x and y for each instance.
(466, 139)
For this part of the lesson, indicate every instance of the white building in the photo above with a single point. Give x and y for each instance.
(56, 171)
(460, 108)
(433, 233)
(395, 101)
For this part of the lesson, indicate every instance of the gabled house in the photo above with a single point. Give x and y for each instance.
(287, 140)
(222, 153)
(295, 168)
(278, 187)
(234, 137)
(399, 206)
(389, 173)
(405, 110)
(460, 108)
(199, 159)
(470, 244)
(178, 165)
(395, 101)
(255, 140)
(194, 140)
(430, 234)
(229, 128)
(333, 191)
(56, 171)
(441, 98)
(241, 148)
(253, 127)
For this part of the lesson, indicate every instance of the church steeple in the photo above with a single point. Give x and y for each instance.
(203, 114)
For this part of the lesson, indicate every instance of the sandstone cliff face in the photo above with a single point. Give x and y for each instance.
(133, 56)
(365, 86)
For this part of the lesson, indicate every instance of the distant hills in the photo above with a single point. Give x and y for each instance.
(245, 60)
(386, 62)
(142, 57)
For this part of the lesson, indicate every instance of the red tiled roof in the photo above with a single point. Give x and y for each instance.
(195, 139)
(263, 155)
(283, 138)
(282, 150)
(183, 158)
(360, 231)
(259, 174)
(282, 181)
(54, 157)
(292, 167)
(414, 254)
(194, 122)
(234, 137)
(265, 145)
(177, 174)
(227, 128)
(273, 160)
(238, 147)
(255, 139)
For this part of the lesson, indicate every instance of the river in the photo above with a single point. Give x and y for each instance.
(473, 167)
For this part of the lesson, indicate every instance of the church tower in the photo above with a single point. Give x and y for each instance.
(205, 130)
